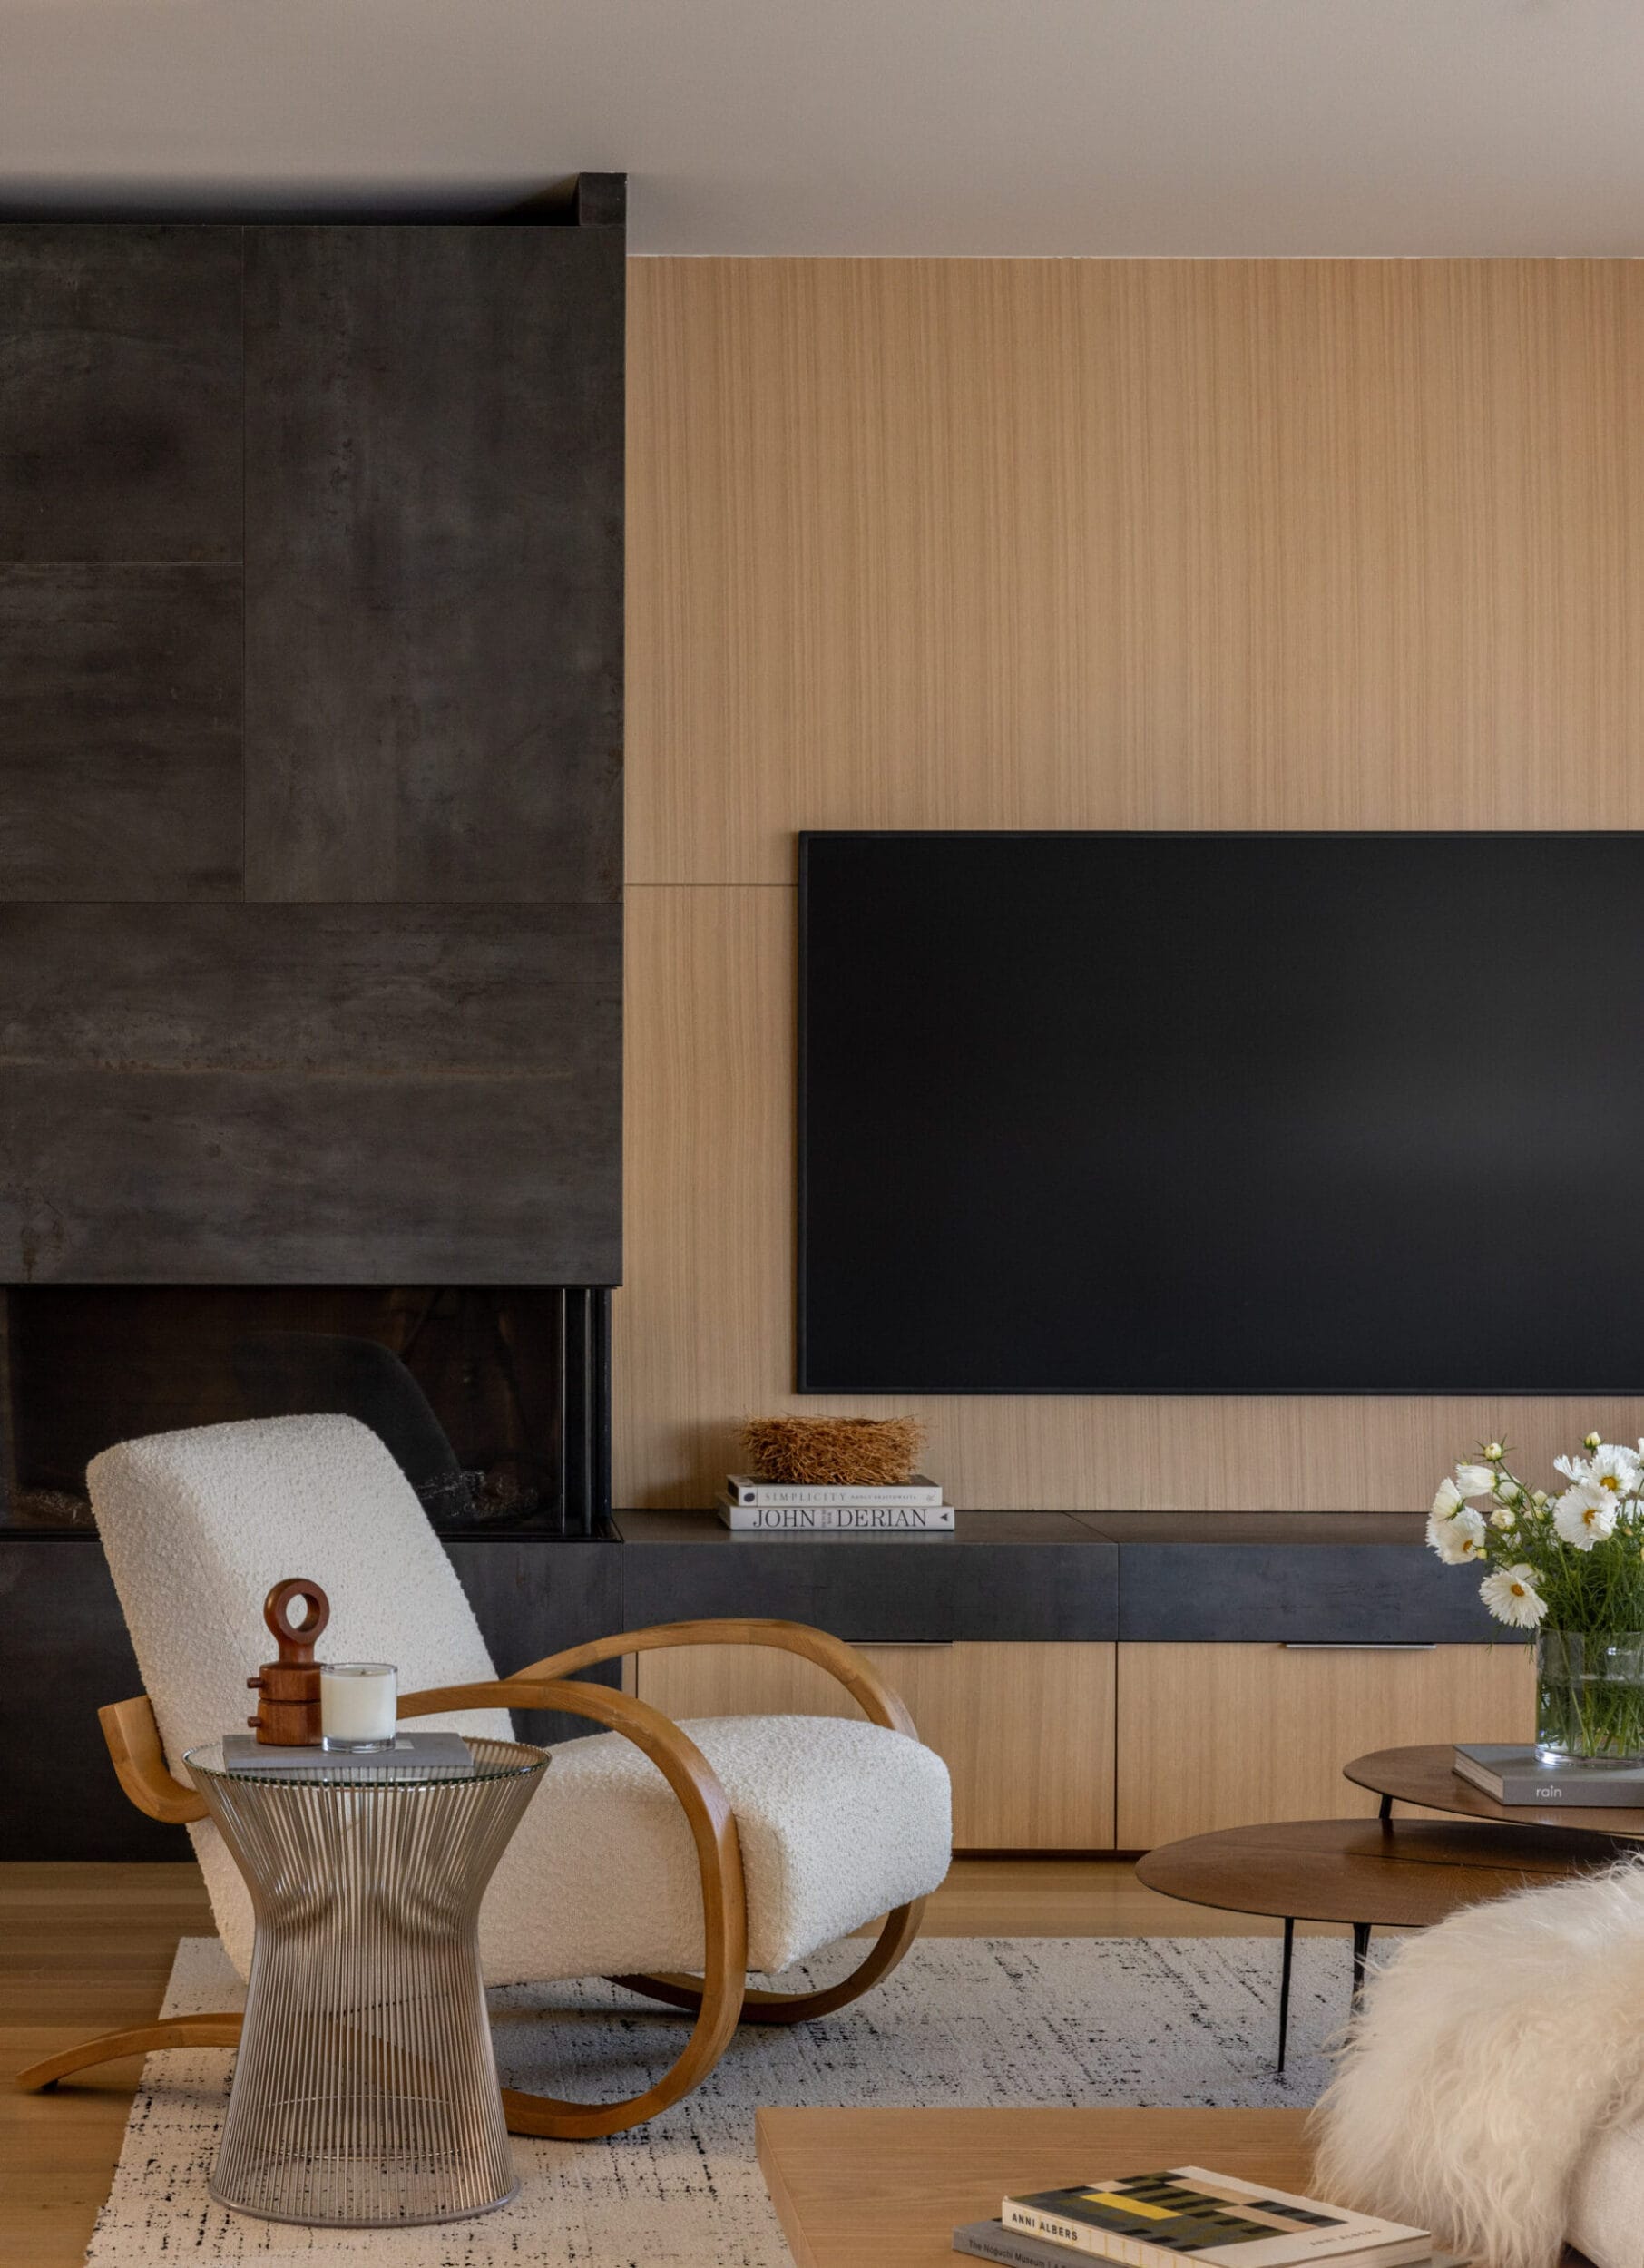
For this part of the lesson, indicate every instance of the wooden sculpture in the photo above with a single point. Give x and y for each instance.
(288, 1715)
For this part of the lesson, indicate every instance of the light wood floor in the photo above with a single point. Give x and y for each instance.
(88, 1948)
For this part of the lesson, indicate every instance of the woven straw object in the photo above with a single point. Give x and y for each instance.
(833, 1452)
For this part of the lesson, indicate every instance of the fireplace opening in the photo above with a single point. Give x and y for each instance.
(495, 1403)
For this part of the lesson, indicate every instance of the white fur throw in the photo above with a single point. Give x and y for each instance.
(1494, 2061)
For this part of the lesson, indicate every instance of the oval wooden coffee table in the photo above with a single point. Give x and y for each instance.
(1426, 1776)
(1370, 1873)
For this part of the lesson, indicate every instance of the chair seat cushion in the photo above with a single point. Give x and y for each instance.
(838, 1823)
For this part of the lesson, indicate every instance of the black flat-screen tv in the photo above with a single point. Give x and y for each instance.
(1206, 1113)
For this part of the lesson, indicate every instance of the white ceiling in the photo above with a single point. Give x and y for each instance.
(875, 126)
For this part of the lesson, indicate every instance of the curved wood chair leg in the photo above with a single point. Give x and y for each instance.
(713, 1829)
(169, 2031)
(901, 1928)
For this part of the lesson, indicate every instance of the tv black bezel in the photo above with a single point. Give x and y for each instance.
(805, 837)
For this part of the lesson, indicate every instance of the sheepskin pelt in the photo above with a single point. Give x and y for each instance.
(1490, 2054)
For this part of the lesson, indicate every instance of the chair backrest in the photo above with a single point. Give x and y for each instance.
(199, 1525)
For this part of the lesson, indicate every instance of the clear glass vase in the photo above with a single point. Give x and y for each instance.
(1589, 1696)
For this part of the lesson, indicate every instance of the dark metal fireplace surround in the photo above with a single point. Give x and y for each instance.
(310, 898)
(494, 1403)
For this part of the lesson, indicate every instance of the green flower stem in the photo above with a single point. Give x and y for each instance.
(1590, 1665)
(1590, 1695)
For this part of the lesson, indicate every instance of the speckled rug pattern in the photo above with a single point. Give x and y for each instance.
(964, 2020)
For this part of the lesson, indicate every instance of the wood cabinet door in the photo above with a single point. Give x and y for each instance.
(1026, 1731)
(1230, 1736)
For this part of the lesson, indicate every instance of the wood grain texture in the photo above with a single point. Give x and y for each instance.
(1060, 544)
(329, 1094)
(1427, 1777)
(120, 701)
(434, 515)
(1073, 544)
(704, 1323)
(1213, 1736)
(890, 2186)
(82, 1949)
(1026, 1731)
(139, 1764)
(1407, 1876)
(120, 345)
(222, 2029)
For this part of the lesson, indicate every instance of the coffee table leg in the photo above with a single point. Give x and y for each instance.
(1284, 1988)
(1360, 1947)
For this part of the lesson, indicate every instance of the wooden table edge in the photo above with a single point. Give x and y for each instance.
(1351, 1901)
(1283, 2129)
(1477, 1805)
(781, 2196)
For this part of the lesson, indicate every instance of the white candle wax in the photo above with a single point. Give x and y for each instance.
(358, 1703)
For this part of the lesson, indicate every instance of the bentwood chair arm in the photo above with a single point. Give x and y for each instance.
(139, 1764)
(716, 2002)
(139, 1759)
(716, 1999)
(879, 1703)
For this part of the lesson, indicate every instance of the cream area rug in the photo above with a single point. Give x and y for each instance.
(964, 2020)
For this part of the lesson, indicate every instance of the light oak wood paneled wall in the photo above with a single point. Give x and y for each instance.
(990, 543)
(1026, 1731)
(1216, 1735)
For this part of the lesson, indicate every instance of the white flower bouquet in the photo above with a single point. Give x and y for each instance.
(1570, 1567)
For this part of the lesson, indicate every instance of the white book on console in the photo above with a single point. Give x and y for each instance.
(837, 1519)
(747, 1487)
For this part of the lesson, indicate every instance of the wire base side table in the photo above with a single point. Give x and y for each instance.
(365, 2092)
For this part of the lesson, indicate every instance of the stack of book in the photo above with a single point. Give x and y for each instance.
(1518, 1775)
(750, 1505)
(414, 1756)
(1187, 2213)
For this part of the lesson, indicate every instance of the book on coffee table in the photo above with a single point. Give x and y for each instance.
(414, 1756)
(1189, 2213)
(1518, 1775)
(1013, 2248)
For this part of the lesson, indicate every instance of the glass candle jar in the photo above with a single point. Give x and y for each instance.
(358, 1704)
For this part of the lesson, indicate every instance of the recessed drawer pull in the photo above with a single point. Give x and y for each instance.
(880, 1646)
(1359, 1645)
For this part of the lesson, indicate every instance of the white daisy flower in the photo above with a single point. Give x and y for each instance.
(1449, 1499)
(1512, 1597)
(1585, 1514)
(1504, 1516)
(1474, 1480)
(1508, 1491)
(1460, 1536)
(1615, 1469)
(1573, 1468)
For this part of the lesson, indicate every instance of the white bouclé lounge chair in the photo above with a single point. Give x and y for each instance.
(674, 1858)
